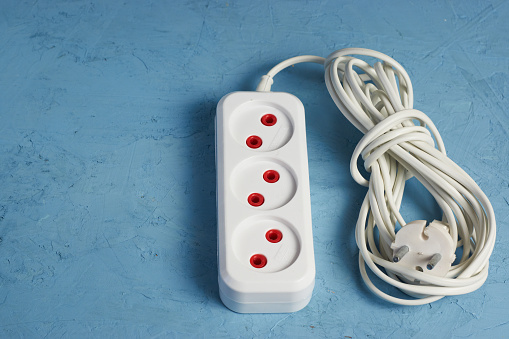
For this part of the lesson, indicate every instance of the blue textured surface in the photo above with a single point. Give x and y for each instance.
(107, 199)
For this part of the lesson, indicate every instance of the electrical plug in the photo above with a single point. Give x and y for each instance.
(425, 249)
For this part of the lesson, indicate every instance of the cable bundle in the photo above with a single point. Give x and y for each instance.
(378, 100)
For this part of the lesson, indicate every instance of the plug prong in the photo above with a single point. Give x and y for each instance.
(433, 261)
(400, 253)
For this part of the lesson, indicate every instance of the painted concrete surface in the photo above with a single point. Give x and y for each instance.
(107, 199)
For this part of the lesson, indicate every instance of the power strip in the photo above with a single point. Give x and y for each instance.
(264, 233)
(265, 241)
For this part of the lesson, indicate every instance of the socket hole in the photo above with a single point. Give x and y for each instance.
(254, 141)
(258, 261)
(274, 236)
(271, 176)
(269, 120)
(419, 268)
(255, 199)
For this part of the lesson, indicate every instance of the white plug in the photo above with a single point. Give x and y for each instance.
(426, 249)
(265, 241)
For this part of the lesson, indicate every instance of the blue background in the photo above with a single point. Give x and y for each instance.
(107, 174)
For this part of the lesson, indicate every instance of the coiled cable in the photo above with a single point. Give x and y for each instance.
(378, 101)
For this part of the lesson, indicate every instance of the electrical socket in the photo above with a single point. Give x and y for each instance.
(268, 177)
(265, 241)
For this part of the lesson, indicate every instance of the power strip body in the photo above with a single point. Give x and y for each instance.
(265, 243)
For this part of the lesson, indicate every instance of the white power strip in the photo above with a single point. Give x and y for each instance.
(399, 142)
(265, 241)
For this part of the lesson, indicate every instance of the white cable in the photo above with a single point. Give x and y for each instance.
(266, 82)
(378, 100)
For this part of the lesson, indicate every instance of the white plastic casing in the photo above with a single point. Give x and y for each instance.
(286, 282)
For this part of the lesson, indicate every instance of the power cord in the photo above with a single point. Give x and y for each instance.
(378, 101)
